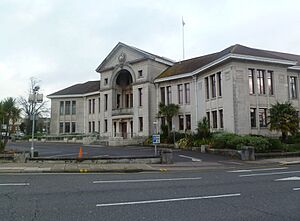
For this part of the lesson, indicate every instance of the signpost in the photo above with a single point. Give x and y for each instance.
(155, 141)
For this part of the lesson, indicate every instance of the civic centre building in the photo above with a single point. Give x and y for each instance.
(233, 88)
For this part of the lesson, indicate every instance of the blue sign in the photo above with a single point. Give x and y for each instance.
(156, 138)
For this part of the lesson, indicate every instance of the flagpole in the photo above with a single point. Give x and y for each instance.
(182, 38)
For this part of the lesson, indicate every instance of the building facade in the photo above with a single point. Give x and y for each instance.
(233, 88)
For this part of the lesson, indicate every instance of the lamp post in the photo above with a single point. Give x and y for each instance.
(155, 134)
(34, 98)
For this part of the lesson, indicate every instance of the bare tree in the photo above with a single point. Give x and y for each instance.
(30, 108)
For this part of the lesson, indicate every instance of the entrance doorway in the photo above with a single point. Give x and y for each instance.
(123, 129)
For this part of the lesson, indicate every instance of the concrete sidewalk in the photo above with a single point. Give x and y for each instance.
(44, 167)
(72, 168)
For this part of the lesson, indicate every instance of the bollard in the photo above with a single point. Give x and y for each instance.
(166, 156)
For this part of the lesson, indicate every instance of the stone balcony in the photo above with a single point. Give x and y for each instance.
(122, 111)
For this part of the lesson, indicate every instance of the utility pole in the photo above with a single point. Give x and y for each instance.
(34, 98)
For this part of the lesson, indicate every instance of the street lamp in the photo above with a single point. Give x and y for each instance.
(34, 98)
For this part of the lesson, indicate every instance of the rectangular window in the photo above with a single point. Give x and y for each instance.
(181, 124)
(73, 107)
(131, 100)
(94, 104)
(270, 82)
(105, 125)
(90, 106)
(118, 100)
(293, 87)
(99, 105)
(67, 107)
(73, 127)
(106, 81)
(62, 108)
(221, 118)
(219, 78)
(140, 96)
(162, 95)
(208, 118)
(180, 94)
(262, 117)
(93, 126)
(90, 127)
(188, 122)
(253, 117)
(61, 127)
(99, 126)
(213, 85)
(67, 127)
(140, 73)
(207, 87)
(169, 95)
(261, 81)
(214, 119)
(187, 93)
(105, 101)
(127, 100)
(251, 81)
(140, 124)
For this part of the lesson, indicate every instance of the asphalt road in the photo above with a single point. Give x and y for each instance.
(259, 194)
(71, 150)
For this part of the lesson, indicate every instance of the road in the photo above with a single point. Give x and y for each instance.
(241, 194)
(71, 150)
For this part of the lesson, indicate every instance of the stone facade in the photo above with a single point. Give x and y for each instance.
(233, 88)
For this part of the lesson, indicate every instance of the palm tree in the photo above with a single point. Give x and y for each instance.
(284, 118)
(168, 111)
(10, 113)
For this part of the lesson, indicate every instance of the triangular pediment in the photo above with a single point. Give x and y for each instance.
(123, 53)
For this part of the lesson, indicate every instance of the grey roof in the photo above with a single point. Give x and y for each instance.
(193, 64)
(79, 89)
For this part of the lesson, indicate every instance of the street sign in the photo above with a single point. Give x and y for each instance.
(156, 138)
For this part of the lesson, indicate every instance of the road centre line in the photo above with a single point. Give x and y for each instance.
(14, 184)
(268, 174)
(253, 170)
(296, 189)
(192, 158)
(168, 200)
(146, 180)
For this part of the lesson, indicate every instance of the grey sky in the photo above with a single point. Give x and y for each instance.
(61, 42)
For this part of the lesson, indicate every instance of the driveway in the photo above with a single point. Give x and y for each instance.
(72, 150)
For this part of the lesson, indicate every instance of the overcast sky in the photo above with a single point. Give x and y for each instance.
(61, 42)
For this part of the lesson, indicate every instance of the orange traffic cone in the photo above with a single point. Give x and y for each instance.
(80, 153)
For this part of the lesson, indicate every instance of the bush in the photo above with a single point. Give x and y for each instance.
(291, 147)
(185, 143)
(1, 146)
(294, 139)
(198, 142)
(275, 144)
(234, 141)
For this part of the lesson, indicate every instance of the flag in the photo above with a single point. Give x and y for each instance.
(183, 23)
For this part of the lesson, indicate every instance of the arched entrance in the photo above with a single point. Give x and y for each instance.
(123, 104)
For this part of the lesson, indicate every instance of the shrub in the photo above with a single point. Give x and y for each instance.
(234, 141)
(203, 128)
(275, 144)
(185, 143)
(1, 146)
(198, 142)
(292, 147)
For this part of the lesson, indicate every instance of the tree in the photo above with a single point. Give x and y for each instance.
(284, 118)
(168, 111)
(30, 108)
(203, 128)
(9, 113)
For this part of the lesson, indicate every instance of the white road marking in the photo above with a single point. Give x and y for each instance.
(293, 178)
(192, 158)
(296, 189)
(14, 184)
(146, 180)
(168, 200)
(268, 174)
(253, 170)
